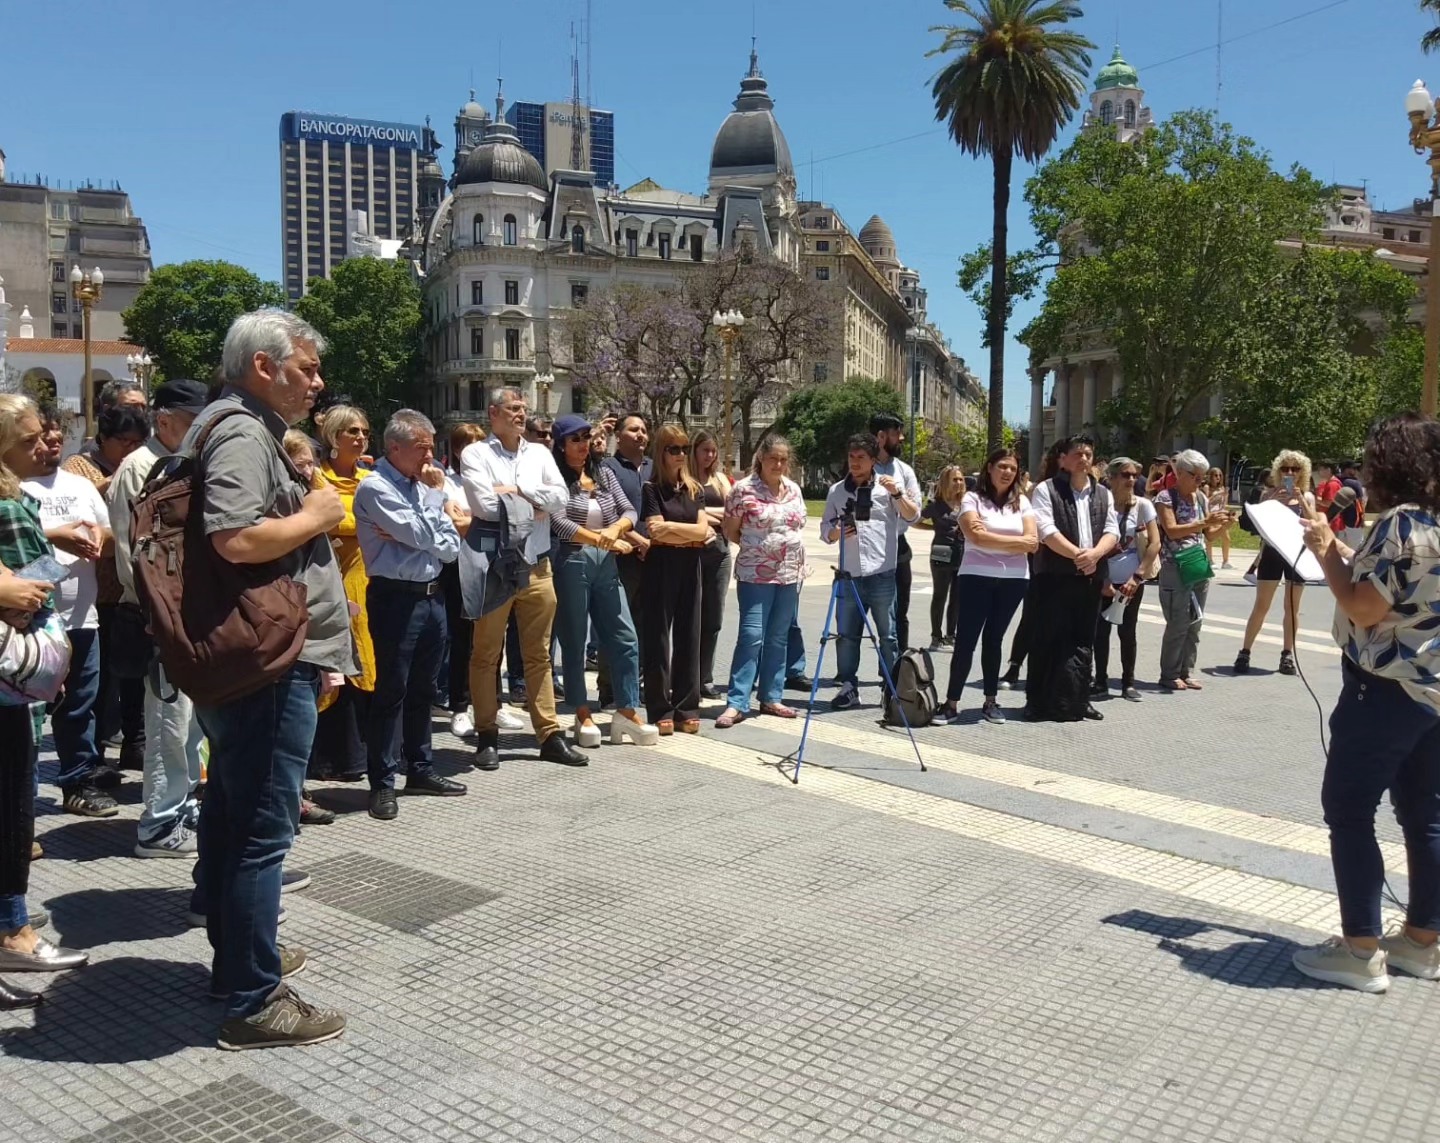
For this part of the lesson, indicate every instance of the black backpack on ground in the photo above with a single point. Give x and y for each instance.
(914, 679)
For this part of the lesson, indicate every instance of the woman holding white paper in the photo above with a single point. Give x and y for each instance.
(1288, 484)
(1132, 563)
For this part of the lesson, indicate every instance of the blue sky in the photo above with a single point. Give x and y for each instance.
(181, 101)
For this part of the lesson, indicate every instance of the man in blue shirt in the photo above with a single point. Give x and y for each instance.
(407, 532)
(865, 513)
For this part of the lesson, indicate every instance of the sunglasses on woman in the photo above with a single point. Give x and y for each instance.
(675, 450)
(582, 435)
(1290, 468)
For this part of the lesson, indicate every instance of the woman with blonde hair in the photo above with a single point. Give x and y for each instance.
(1217, 494)
(339, 751)
(716, 563)
(1289, 484)
(22, 540)
(674, 513)
(947, 546)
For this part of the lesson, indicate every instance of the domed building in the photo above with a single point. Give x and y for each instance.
(1118, 101)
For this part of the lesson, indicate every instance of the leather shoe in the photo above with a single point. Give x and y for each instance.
(1093, 715)
(383, 806)
(45, 958)
(10, 1000)
(487, 756)
(434, 784)
(556, 749)
(799, 683)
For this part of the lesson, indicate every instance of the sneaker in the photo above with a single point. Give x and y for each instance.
(1403, 953)
(1287, 662)
(1130, 694)
(1227, 567)
(1335, 963)
(848, 696)
(991, 712)
(462, 724)
(286, 1021)
(89, 802)
(1251, 578)
(292, 962)
(294, 879)
(1100, 689)
(178, 842)
(507, 719)
(1011, 679)
(1242, 663)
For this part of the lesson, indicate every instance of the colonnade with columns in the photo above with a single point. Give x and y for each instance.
(1080, 387)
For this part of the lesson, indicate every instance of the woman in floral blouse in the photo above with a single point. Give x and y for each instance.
(1385, 730)
(765, 521)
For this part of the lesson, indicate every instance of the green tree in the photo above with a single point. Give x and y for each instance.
(1399, 371)
(1169, 249)
(1311, 380)
(182, 313)
(1014, 78)
(818, 420)
(1431, 39)
(369, 311)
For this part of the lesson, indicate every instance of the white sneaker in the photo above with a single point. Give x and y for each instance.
(1251, 578)
(1403, 953)
(1335, 963)
(507, 719)
(640, 733)
(462, 723)
(179, 842)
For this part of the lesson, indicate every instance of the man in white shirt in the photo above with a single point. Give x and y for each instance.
(171, 772)
(77, 523)
(505, 470)
(889, 433)
(1078, 531)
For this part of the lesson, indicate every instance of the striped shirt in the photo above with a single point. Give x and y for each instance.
(607, 493)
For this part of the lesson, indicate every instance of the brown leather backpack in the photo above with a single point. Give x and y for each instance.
(222, 630)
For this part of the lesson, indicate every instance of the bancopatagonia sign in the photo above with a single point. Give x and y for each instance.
(336, 129)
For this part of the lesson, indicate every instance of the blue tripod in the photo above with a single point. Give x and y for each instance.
(842, 579)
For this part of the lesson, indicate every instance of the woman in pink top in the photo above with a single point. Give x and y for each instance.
(1000, 533)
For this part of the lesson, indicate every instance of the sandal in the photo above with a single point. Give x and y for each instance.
(1174, 685)
(1192, 685)
(690, 726)
(666, 727)
(777, 709)
(728, 719)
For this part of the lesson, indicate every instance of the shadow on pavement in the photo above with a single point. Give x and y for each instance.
(89, 839)
(94, 917)
(116, 1012)
(1260, 960)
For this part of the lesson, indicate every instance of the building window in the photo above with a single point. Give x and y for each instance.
(1107, 113)
(822, 371)
(477, 230)
(665, 247)
(1414, 236)
(1129, 113)
(511, 231)
(822, 223)
(59, 304)
(57, 272)
(697, 247)
(512, 345)
(512, 292)
(632, 243)
(60, 329)
(577, 240)
(477, 293)
(822, 273)
(477, 343)
(822, 246)
(579, 293)
(1388, 233)
(57, 210)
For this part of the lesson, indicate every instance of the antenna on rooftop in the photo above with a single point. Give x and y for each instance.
(1219, 52)
(577, 140)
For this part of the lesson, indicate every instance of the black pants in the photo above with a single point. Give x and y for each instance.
(902, 598)
(1062, 610)
(671, 644)
(1020, 644)
(715, 571)
(339, 748)
(945, 603)
(408, 629)
(17, 807)
(122, 701)
(1127, 641)
(454, 674)
(990, 604)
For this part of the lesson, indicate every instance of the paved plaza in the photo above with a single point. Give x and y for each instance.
(1056, 932)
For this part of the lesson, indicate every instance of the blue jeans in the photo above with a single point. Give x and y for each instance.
(408, 630)
(171, 775)
(259, 746)
(795, 646)
(767, 611)
(877, 596)
(75, 719)
(1381, 738)
(588, 588)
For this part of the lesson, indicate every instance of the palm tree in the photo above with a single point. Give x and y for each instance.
(1431, 39)
(1014, 78)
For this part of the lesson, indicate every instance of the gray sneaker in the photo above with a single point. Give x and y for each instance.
(178, 842)
(992, 712)
(846, 697)
(286, 1021)
(1335, 963)
(1403, 953)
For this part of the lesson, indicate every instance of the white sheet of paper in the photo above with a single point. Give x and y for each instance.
(1280, 528)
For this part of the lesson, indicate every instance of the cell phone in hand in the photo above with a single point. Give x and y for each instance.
(1289, 483)
(46, 569)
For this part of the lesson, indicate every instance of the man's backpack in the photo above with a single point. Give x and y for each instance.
(914, 678)
(222, 630)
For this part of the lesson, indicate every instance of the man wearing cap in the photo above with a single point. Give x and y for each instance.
(407, 532)
(171, 769)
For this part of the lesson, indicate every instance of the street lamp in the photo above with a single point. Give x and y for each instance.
(543, 381)
(1425, 134)
(86, 289)
(728, 325)
(141, 368)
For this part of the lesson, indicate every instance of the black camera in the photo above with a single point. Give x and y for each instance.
(857, 507)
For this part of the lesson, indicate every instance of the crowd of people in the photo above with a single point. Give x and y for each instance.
(532, 553)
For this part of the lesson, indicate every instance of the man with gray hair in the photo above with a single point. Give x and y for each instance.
(407, 533)
(256, 512)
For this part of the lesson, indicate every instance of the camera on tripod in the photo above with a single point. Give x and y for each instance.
(857, 507)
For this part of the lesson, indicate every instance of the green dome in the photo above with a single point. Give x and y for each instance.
(1117, 73)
